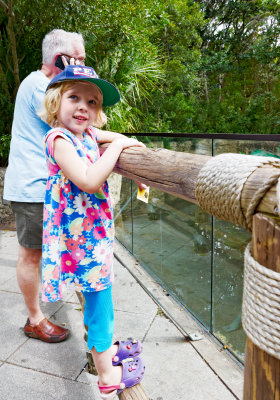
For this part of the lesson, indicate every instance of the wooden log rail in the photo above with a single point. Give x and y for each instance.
(176, 173)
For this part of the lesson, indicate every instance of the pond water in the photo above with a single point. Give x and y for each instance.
(198, 259)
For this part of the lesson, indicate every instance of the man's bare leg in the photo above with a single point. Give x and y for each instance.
(37, 326)
(29, 282)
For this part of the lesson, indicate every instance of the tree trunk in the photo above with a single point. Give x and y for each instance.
(11, 18)
(206, 86)
(220, 84)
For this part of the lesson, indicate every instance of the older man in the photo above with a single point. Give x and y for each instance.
(27, 174)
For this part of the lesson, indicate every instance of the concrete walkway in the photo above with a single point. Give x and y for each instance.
(177, 369)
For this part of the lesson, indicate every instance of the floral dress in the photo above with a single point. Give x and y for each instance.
(78, 228)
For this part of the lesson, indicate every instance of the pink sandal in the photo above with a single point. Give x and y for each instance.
(133, 372)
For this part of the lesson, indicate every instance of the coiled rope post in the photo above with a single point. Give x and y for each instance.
(262, 370)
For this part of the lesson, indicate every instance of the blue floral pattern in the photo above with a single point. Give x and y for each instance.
(78, 229)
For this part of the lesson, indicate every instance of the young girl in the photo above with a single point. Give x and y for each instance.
(78, 222)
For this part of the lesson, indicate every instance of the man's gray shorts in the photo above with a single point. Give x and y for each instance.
(29, 223)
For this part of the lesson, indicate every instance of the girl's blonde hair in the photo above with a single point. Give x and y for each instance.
(53, 100)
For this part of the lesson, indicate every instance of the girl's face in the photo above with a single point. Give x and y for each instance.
(78, 107)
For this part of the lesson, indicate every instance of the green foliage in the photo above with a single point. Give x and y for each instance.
(4, 148)
(240, 65)
(180, 65)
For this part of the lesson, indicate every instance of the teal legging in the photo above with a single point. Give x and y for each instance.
(99, 318)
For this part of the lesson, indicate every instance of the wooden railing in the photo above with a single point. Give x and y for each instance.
(176, 173)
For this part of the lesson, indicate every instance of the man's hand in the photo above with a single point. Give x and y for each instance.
(71, 61)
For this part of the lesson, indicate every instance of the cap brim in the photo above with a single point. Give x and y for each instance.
(110, 93)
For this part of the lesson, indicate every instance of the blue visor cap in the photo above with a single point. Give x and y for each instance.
(110, 93)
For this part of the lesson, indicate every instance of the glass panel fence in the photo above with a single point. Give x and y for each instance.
(172, 238)
(196, 258)
(123, 210)
(229, 244)
(261, 148)
(194, 146)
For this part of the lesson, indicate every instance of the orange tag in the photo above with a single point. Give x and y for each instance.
(143, 194)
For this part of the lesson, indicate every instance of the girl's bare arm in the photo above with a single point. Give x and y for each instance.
(107, 136)
(90, 178)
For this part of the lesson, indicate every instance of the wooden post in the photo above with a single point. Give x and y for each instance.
(134, 393)
(81, 300)
(262, 371)
(91, 366)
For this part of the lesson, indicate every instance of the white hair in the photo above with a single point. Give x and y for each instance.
(59, 41)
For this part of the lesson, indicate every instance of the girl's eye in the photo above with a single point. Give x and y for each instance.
(92, 102)
(73, 96)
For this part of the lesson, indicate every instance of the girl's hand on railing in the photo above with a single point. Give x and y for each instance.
(121, 143)
(125, 142)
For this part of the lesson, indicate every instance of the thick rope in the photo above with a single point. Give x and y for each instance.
(261, 305)
(220, 183)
